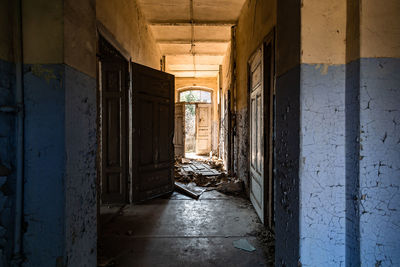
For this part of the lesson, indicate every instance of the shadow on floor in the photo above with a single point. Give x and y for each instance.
(180, 231)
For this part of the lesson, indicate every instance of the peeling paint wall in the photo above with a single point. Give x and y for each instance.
(60, 133)
(256, 20)
(80, 175)
(44, 215)
(379, 94)
(343, 201)
(126, 22)
(7, 133)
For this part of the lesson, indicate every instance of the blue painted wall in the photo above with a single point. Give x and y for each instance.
(44, 213)
(80, 178)
(322, 165)
(287, 168)
(8, 160)
(380, 162)
(352, 162)
(339, 205)
(60, 167)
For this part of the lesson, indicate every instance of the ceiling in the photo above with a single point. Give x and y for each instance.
(193, 35)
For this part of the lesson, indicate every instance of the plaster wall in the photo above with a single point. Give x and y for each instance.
(287, 133)
(348, 191)
(6, 31)
(129, 27)
(60, 133)
(43, 29)
(380, 29)
(7, 130)
(80, 35)
(323, 32)
(7, 160)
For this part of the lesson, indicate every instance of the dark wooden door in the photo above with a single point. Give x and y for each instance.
(153, 131)
(113, 111)
(179, 133)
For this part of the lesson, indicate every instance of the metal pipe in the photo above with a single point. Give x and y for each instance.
(18, 54)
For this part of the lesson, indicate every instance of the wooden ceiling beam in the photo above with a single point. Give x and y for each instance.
(196, 23)
(196, 41)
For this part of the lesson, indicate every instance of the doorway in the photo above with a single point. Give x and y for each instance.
(262, 129)
(194, 110)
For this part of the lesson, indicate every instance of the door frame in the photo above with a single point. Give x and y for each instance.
(268, 119)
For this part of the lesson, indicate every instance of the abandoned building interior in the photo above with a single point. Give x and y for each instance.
(199, 133)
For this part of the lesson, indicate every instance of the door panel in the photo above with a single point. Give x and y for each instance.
(113, 130)
(153, 130)
(179, 133)
(203, 128)
(261, 67)
(257, 134)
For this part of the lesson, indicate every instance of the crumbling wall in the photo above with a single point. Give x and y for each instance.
(126, 22)
(341, 206)
(379, 161)
(80, 175)
(7, 160)
(7, 134)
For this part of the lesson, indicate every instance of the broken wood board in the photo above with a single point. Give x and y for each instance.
(189, 191)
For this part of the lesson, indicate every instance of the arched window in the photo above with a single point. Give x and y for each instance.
(195, 94)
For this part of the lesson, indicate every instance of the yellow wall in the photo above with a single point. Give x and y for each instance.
(256, 20)
(6, 19)
(80, 35)
(43, 31)
(124, 20)
(211, 82)
(380, 28)
(323, 32)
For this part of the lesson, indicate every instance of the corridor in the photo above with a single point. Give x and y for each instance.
(286, 114)
(177, 231)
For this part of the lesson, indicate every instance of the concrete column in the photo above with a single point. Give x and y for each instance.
(60, 133)
(337, 198)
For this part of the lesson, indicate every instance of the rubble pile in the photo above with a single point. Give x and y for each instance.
(221, 181)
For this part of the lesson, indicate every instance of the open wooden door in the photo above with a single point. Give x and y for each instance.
(113, 86)
(203, 128)
(261, 70)
(257, 133)
(179, 133)
(153, 131)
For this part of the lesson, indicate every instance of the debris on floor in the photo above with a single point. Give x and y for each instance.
(189, 190)
(244, 245)
(206, 173)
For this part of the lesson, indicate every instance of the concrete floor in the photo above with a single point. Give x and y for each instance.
(180, 231)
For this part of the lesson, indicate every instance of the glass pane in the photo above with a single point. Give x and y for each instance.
(195, 96)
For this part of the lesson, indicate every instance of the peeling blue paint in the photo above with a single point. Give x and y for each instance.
(60, 167)
(44, 215)
(380, 162)
(349, 150)
(322, 166)
(80, 178)
(8, 160)
(287, 168)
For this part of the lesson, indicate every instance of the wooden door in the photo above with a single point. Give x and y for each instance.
(179, 133)
(113, 152)
(203, 128)
(257, 133)
(153, 131)
(261, 70)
